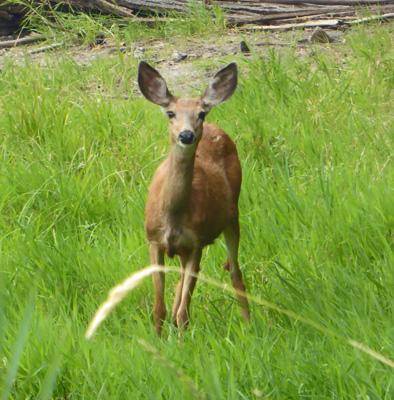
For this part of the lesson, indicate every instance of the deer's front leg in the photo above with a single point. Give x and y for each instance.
(178, 291)
(159, 312)
(191, 266)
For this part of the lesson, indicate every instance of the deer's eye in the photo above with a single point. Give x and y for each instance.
(202, 115)
(170, 114)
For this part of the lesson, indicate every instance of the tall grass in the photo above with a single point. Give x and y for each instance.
(315, 139)
(63, 22)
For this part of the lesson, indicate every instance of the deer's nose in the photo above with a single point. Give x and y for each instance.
(187, 137)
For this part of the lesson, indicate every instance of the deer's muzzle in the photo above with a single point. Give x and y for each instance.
(187, 137)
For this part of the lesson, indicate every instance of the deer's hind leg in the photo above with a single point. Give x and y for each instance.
(159, 312)
(231, 235)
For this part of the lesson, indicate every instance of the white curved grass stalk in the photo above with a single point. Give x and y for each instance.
(117, 293)
(120, 291)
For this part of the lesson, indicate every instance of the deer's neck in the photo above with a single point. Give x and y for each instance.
(178, 187)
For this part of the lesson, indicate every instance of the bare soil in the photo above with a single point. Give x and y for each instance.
(176, 58)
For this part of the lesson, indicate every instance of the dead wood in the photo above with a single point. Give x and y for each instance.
(237, 12)
(330, 2)
(368, 19)
(46, 48)
(327, 23)
(18, 42)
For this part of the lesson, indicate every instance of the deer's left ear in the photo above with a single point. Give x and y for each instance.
(152, 85)
(221, 87)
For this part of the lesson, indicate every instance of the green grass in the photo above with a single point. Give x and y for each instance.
(84, 27)
(315, 139)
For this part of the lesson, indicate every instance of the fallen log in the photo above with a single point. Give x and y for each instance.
(273, 18)
(10, 18)
(46, 48)
(126, 8)
(330, 2)
(237, 12)
(369, 19)
(17, 42)
(326, 23)
(104, 6)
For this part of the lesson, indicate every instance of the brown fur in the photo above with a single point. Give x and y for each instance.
(207, 211)
(194, 193)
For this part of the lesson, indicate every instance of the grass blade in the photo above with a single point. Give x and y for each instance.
(18, 350)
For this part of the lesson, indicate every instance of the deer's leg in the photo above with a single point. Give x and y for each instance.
(231, 235)
(159, 312)
(178, 292)
(186, 286)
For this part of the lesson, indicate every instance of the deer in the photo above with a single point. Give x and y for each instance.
(193, 196)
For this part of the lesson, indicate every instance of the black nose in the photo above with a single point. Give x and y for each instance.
(187, 137)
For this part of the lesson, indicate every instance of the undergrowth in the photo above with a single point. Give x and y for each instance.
(61, 22)
(315, 139)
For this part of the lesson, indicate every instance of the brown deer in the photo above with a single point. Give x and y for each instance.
(194, 193)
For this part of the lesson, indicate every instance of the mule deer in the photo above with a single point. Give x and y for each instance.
(194, 193)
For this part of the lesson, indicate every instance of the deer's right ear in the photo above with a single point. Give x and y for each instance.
(152, 85)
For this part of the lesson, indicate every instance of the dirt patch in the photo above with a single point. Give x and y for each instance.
(176, 58)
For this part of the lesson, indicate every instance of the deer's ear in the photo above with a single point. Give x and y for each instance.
(152, 85)
(221, 87)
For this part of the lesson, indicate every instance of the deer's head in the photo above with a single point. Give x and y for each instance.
(186, 115)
